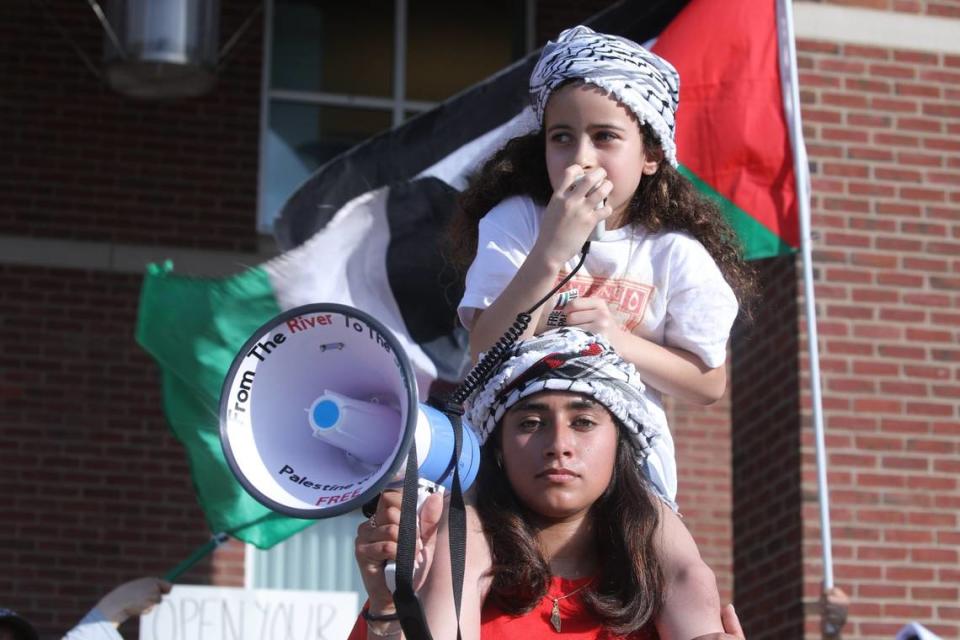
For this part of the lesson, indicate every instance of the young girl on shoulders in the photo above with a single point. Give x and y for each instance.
(661, 282)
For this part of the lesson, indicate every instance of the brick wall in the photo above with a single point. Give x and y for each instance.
(765, 402)
(83, 162)
(883, 130)
(96, 489)
(702, 439)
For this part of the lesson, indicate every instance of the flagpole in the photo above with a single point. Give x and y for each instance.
(791, 99)
(215, 541)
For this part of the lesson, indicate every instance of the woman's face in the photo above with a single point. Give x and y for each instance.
(559, 449)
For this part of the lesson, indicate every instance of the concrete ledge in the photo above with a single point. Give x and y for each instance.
(885, 29)
(123, 258)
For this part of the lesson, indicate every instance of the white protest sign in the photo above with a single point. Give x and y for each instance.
(223, 613)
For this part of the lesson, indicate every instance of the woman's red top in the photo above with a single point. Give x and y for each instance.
(576, 621)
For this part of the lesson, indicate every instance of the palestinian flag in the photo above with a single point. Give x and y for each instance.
(732, 132)
(365, 230)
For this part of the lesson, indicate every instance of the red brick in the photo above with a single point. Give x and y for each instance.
(898, 174)
(899, 244)
(938, 282)
(873, 368)
(910, 574)
(920, 159)
(924, 125)
(849, 275)
(902, 315)
(908, 536)
(927, 195)
(934, 555)
(888, 104)
(940, 77)
(844, 100)
(871, 224)
(944, 391)
(927, 299)
(841, 65)
(870, 153)
(816, 46)
(899, 388)
(818, 80)
(872, 188)
(924, 264)
(929, 335)
(895, 139)
(862, 51)
(916, 57)
(917, 90)
(905, 280)
(904, 352)
(868, 86)
(821, 116)
(877, 405)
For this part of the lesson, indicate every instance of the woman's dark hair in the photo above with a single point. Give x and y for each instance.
(664, 201)
(628, 591)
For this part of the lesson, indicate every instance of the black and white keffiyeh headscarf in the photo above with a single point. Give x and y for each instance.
(646, 83)
(574, 360)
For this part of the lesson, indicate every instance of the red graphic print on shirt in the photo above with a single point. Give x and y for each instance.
(628, 300)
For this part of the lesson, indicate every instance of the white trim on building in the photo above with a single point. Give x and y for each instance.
(884, 29)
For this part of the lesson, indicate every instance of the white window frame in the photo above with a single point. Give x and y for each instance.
(398, 105)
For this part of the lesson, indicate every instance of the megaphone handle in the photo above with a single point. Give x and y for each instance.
(425, 489)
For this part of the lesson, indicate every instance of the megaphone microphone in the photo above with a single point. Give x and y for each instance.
(319, 410)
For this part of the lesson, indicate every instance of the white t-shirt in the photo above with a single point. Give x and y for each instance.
(664, 287)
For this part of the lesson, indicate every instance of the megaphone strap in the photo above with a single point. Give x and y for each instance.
(457, 517)
(412, 619)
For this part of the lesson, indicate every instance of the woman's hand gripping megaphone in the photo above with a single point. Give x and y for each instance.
(376, 545)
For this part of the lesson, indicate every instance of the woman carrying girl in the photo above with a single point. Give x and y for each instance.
(562, 521)
(658, 283)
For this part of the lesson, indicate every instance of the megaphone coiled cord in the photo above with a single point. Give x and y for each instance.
(478, 375)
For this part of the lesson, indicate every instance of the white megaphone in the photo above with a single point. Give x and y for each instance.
(318, 412)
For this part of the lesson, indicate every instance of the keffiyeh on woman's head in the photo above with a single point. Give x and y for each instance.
(644, 82)
(571, 360)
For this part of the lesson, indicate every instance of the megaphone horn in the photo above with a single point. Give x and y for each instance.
(319, 409)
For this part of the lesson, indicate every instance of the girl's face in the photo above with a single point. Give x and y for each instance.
(559, 450)
(585, 126)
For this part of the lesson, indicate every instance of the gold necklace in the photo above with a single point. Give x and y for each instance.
(555, 612)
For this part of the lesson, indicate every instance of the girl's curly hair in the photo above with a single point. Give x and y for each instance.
(664, 201)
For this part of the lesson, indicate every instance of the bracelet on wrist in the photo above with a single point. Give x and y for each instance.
(379, 617)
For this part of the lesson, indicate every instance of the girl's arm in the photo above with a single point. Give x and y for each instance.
(536, 276)
(568, 219)
(673, 371)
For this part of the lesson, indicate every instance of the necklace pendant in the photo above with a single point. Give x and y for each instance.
(555, 615)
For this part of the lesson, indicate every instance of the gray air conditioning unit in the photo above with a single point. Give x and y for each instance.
(161, 48)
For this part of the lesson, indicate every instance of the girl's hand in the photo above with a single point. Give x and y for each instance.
(572, 213)
(376, 544)
(593, 314)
